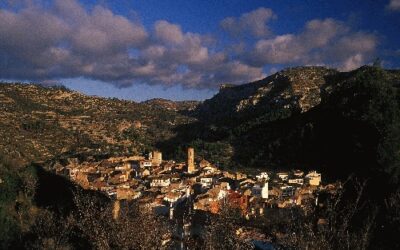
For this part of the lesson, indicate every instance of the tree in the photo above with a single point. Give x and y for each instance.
(377, 63)
(220, 233)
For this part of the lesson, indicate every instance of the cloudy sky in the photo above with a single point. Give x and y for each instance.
(184, 49)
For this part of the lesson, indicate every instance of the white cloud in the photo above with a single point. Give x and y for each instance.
(281, 49)
(352, 62)
(66, 40)
(254, 22)
(321, 42)
(353, 44)
(394, 5)
(154, 52)
(168, 32)
(318, 33)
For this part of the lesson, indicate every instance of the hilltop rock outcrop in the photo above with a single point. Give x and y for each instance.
(295, 89)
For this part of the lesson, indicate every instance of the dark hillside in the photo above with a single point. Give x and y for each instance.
(349, 124)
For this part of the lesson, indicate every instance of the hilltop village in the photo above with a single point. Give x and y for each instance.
(163, 185)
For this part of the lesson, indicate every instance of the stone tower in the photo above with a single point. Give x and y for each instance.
(190, 161)
(116, 209)
(156, 158)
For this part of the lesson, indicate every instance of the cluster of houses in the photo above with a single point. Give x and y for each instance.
(163, 185)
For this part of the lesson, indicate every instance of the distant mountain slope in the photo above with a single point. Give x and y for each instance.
(306, 117)
(290, 91)
(294, 90)
(37, 123)
(173, 105)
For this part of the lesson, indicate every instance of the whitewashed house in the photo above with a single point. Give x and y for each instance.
(314, 178)
(160, 182)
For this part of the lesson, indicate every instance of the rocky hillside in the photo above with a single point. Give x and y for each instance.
(281, 95)
(306, 117)
(38, 123)
(173, 105)
(294, 89)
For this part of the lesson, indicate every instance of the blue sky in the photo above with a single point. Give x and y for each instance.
(184, 49)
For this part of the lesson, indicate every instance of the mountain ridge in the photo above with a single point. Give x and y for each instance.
(282, 132)
(284, 120)
(41, 122)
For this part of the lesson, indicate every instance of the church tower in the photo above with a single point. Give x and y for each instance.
(156, 158)
(190, 161)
